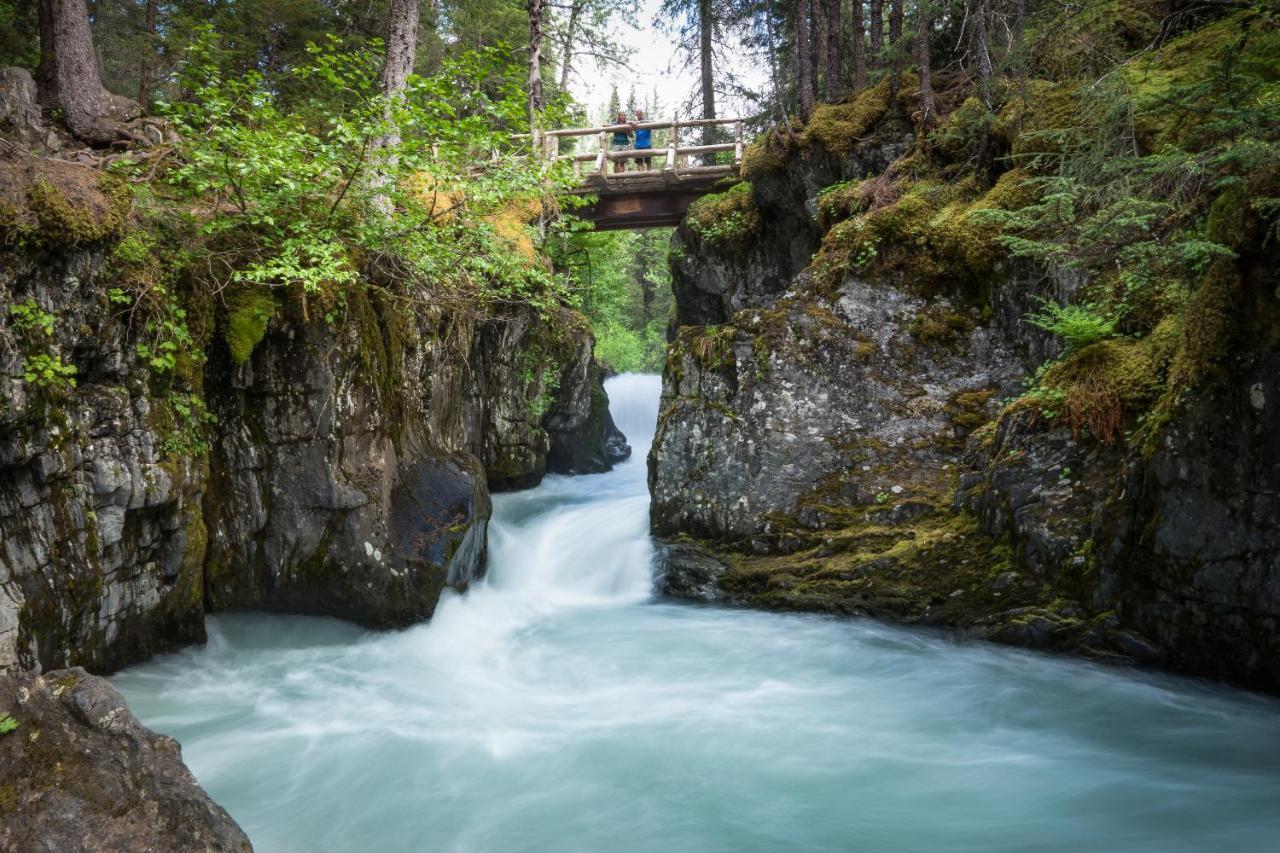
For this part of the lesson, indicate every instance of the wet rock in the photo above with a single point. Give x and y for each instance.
(81, 773)
(583, 436)
(689, 571)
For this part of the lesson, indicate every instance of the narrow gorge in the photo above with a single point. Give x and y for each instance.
(411, 439)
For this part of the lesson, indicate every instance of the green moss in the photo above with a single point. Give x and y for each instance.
(1093, 36)
(969, 409)
(940, 324)
(837, 128)
(711, 347)
(1193, 59)
(728, 219)
(939, 568)
(1212, 321)
(64, 222)
(249, 312)
(1105, 386)
(1046, 123)
(768, 153)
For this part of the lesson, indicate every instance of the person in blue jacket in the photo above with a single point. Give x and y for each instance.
(644, 142)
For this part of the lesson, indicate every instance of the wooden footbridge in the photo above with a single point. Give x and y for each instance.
(657, 185)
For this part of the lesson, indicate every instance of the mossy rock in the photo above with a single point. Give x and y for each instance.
(56, 203)
(1090, 38)
(729, 219)
(838, 128)
(1104, 387)
(933, 235)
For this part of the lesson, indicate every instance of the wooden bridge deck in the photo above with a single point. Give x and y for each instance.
(654, 197)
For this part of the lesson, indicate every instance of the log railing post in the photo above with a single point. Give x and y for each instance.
(603, 159)
(673, 147)
(737, 143)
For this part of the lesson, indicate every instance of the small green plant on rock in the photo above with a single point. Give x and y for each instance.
(1077, 325)
(48, 371)
(29, 317)
(7, 724)
(190, 417)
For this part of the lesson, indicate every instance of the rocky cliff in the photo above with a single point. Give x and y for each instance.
(845, 425)
(274, 455)
(78, 772)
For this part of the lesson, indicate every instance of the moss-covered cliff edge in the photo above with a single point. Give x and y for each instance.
(166, 451)
(858, 418)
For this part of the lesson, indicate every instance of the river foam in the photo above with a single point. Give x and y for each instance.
(558, 707)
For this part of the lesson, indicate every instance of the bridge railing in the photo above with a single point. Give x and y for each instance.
(674, 157)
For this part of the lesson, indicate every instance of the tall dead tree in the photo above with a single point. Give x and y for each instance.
(397, 65)
(924, 23)
(876, 24)
(402, 43)
(859, 46)
(895, 48)
(804, 56)
(1019, 37)
(68, 75)
(982, 49)
(570, 32)
(832, 54)
(536, 10)
(706, 44)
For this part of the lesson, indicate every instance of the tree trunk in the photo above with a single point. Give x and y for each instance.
(832, 53)
(402, 43)
(397, 65)
(982, 49)
(804, 56)
(535, 9)
(575, 11)
(924, 23)
(46, 71)
(774, 69)
(895, 36)
(706, 26)
(859, 47)
(148, 55)
(68, 74)
(1019, 38)
(877, 34)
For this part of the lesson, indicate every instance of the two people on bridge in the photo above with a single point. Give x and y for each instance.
(637, 138)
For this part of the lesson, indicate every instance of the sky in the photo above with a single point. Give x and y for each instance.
(655, 63)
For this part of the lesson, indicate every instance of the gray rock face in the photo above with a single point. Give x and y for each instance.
(1189, 548)
(583, 436)
(101, 532)
(816, 442)
(810, 396)
(711, 286)
(325, 495)
(81, 773)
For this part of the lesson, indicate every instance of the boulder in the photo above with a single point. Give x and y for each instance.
(79, 772)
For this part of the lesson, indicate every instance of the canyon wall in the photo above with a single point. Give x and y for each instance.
(336, 465)
(843, 427)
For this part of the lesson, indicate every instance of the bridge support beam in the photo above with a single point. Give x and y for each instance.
(640, 210)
